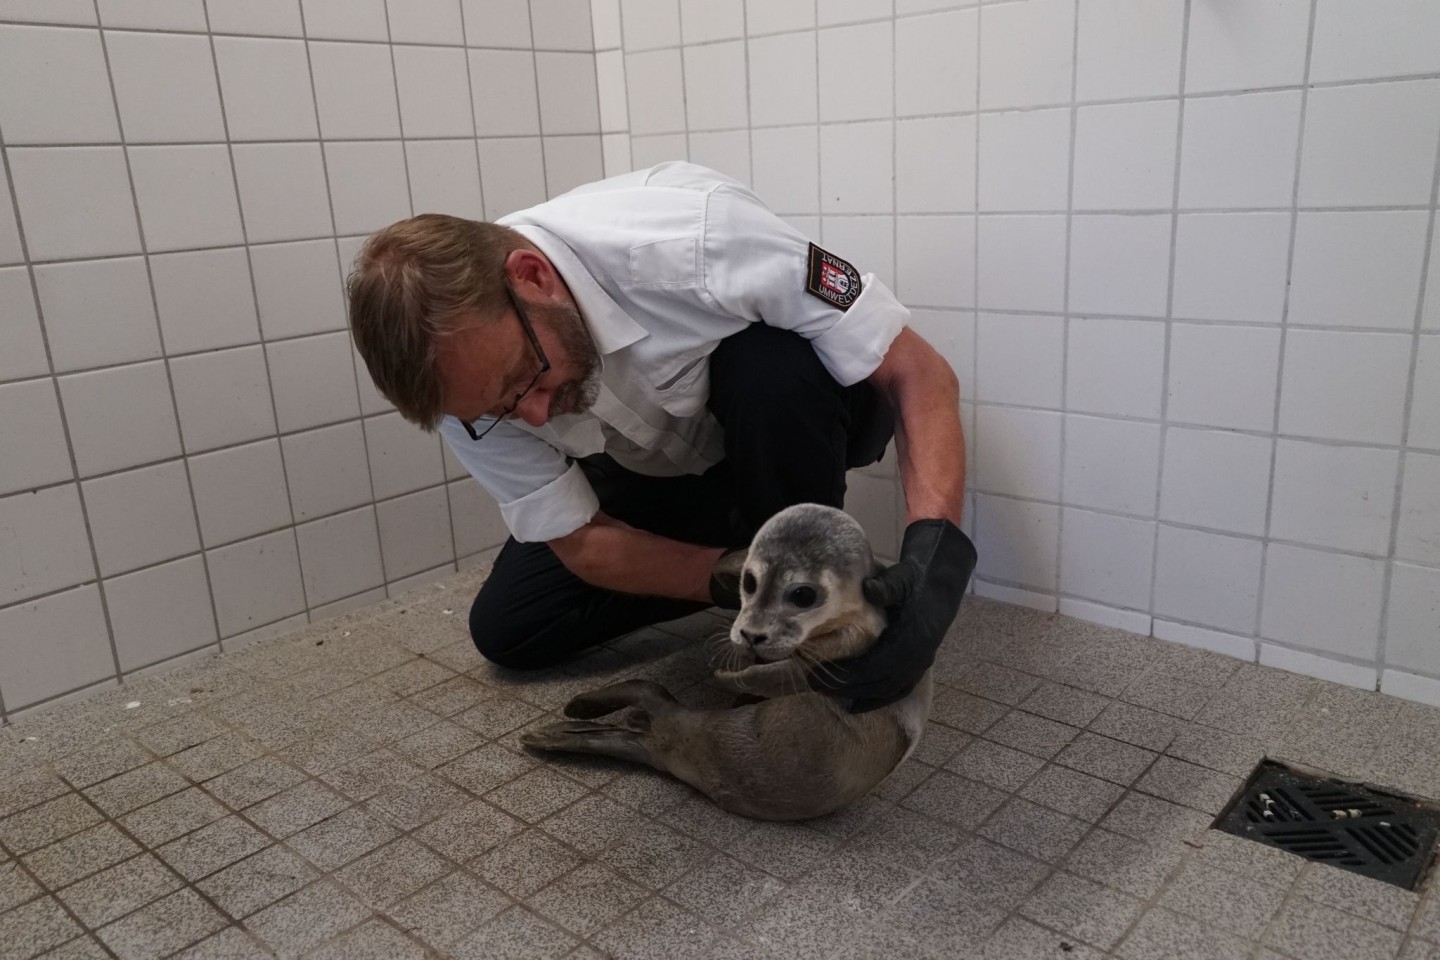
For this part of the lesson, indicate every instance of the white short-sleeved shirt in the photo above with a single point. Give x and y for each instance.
(664, 264)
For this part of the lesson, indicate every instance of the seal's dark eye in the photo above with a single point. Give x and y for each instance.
(802, 597)
(748, 582)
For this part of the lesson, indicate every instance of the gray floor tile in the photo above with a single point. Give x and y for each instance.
(1310, 930)
(28, 788)
(44, 824)
(724, 890)
(804, 924)
(481, 771)
(1042, 833)
(787, 850)
(1189, 785)
(393, 722)
(656, 930)
(255, 781)
(1232, 903)
(524, 864)
(1129, 865)
(81, 948)
(649, 791)
(79, 856)
(113, 893)
(295, 809)
(1375, 900)
(1162, 935)
(1072, 792)
(454, 696)
(214, 757)
(1234, 854)
(469, 831)
(904, 780)
(999, 766)
(1143, 817)
(1019, 939)
(906, 837)
(163, 927)
(1069, 705)
(212, 848)
(438, 744)
(15, 886)
(174, 735)
(849, 876)
(1136, 725)
(448, 910)
(332, 843)
(119, 795)
(1082, 909)
(1427, 919)
(965, 711)
(587, 899)
(655, 856)
(517, 934)
(939, 743)
(321, 754)
(727, 949)
(1034, 735)
(111, 757)
(987, 874)
(1106, 672)
(257, 881)
(413, 676)
(307, 918)
(364, 777)
(497, 716)
(956, 800)
(371, 940)
(942, 918)
(411, 805)
(698, 817)
(1176, 696)
(1001, 684)
(174, 816)
(392, 872)
(1105, 758)
(536, 795)
(36, 927)
(1208, 747)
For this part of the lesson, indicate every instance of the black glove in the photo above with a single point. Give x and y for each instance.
(921, 595)
(725, 579)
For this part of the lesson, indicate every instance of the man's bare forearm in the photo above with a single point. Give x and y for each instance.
(607, 553)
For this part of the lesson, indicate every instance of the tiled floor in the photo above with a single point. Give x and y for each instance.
(357, 791)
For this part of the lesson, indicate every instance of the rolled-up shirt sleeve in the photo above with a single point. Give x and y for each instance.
(542, 495)
(757, 266)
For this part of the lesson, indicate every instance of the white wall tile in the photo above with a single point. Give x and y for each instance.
(223, 398)
(773, 16)
(346, 19)
(53, 87)
(97, 312)
(783, 79)
(403, 458)
(1120, 264)
(512, 175)
(10, 251)
(186, 196)
(935, 165)
(936, 261)
(1017, 452)
(1018, 541)
(1115, 367)
(1208, 578)
(425, 21)
(256, 582)
(1332, 496)
(787, 177)
(1412, 624)
(1425, 405)
(715, 86)
(1106, 558)
(562, 25)
(74, 201)
(313, 380)
(727, 152)
(830, 12)
(1129, 48)
(1355, 40)
(153, 14)
(327, 470)
(298, 285)
(568, 99)
(1239, 151)
(605, 22)
(80, 12)
(1321, 374)
(30, 421)
(160, 613)
(1231, 266)
(354, 90)
(952, 334)
(874, 503)
(1027, 54)
(1111, 465)
(936, 63)
(67, 646)
(240, 492)
(903, 7)
(856, 167)
(867, 242)
(610, 80)
(1430, 312)
(1022, 263)
(434, 90)
(120, 417)
(572, 161)
(1218, 479)
(1358, 269)
(657, 101)
(268, 18)
(1125, 155)
(1223, 376)
(141, 517)
(650, 23)
(282, 191)
(1130, 621)
(368, 185)
(506, 99)
(1323, 668)
(647, 151)
(1020, 360)
(1409, 686)
(1025, 160)
(205, 299)
(340, 556)
(1229, 644)
(704, 20)
(24, 353)
(850, 94)
(1322, 601)
(497, 23)
(415, 532)
(1418, 533)
(1246, 46)
(50, 548)
(165, 86)
(267, 90)
(1370, 145)
(475, 518)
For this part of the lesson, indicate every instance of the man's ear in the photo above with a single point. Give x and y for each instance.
(531, 275)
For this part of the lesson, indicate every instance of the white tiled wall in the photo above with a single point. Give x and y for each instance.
(187, 453)
(1181, 256)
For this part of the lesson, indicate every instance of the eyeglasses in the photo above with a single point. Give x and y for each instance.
(544, 369)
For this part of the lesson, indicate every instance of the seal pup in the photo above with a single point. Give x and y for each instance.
(792, 753)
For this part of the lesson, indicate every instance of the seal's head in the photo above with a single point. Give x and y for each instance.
(800, 590)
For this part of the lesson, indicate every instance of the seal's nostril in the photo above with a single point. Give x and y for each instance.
(754, 639)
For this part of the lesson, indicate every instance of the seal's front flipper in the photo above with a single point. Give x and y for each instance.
(585, 736)
(645, 694)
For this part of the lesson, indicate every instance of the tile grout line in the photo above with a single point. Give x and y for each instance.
(1065, 293)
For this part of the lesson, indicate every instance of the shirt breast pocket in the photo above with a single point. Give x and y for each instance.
(684, 391)
(671, 262)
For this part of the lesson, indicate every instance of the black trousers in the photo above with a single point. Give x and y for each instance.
(791, 432)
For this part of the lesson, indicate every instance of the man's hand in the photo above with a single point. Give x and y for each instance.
(725, 579)
(921, 594)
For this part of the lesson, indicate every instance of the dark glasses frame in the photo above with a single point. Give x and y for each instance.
(493, 422)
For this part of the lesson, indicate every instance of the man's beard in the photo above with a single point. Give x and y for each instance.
(579, 393)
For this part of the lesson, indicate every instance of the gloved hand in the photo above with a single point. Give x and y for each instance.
(725, 578)
(921, 595)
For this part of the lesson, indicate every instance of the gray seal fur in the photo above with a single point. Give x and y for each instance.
(793, 753)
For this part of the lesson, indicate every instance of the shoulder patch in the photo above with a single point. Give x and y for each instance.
(832, 279)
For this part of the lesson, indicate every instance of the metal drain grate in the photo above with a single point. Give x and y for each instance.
(1350, 826)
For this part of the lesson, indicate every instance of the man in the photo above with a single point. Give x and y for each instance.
(641, 372)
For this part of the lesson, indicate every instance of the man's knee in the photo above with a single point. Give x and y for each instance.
(764, 365)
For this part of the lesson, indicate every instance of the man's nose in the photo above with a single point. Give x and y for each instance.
(534, 407)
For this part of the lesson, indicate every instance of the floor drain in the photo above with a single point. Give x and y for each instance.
(1353, 827)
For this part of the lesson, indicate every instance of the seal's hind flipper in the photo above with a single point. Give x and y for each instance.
(585, 736)
(645, 694)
